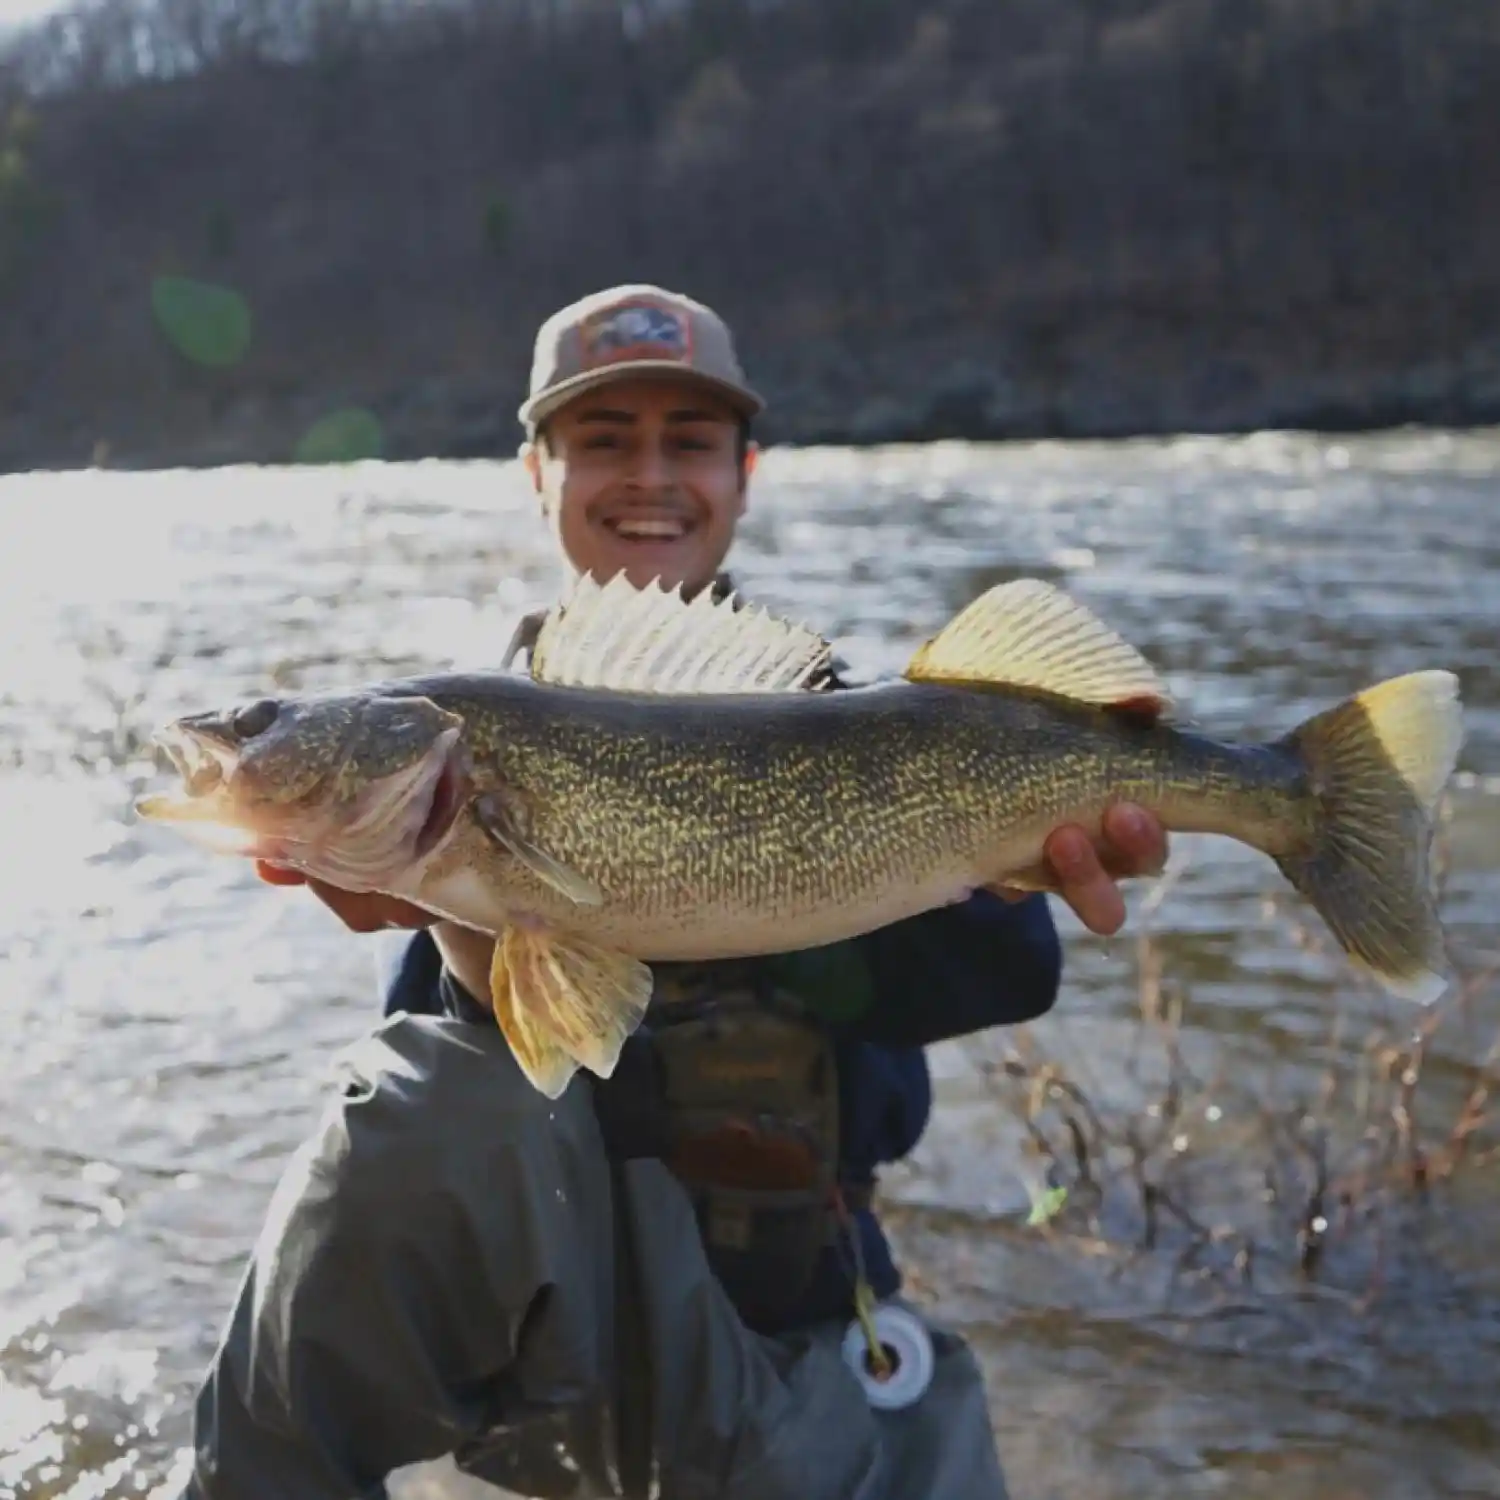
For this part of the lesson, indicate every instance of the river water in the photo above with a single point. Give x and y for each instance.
(168, 1022)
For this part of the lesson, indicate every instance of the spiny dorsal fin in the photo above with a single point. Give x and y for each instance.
(1028, 634)
(652, 640)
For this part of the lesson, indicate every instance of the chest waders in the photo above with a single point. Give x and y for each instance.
(734, 1087)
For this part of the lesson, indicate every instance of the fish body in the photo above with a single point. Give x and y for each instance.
(724, 825)
(662, 788)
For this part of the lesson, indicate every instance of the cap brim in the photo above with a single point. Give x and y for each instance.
(545, 403)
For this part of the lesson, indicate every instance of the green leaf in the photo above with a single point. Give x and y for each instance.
(1046, 1207)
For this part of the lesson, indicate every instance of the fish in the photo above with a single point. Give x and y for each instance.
(665, 784)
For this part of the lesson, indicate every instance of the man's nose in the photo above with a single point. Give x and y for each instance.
(649, 468)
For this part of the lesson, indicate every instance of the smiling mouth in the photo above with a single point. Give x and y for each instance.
(649, 528)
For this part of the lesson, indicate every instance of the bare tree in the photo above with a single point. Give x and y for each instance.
(1125, 213)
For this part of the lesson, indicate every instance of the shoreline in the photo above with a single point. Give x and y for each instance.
(240, 442)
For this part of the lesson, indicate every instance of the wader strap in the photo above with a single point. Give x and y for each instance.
(633, 1414)
(523, 638)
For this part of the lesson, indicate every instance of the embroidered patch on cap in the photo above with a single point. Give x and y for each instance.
(635, 330)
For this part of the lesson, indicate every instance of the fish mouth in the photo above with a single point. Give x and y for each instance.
(365, 843)
(204, 765)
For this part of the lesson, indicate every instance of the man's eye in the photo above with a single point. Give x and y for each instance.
(602, 440)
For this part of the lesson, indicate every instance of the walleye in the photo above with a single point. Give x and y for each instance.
(663, 787)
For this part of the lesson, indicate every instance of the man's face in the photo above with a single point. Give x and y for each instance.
(643, 478)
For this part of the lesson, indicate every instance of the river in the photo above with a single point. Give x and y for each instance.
(169, 1022)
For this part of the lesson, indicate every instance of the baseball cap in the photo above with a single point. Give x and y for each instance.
(632, 330)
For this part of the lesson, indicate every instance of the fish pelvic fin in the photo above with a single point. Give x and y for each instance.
(1028, 634)
(565, 1003)
(618, 637)
(1379, 763)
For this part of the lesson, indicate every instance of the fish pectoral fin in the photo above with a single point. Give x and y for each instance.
(653, 640)
(563, 1002)
(1028, 634)
(499, 820)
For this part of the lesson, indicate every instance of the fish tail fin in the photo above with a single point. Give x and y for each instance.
(1378, 763)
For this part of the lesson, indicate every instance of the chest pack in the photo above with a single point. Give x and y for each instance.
(751, 1090)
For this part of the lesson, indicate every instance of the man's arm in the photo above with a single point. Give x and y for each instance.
(995, 959)
(1086, 874)
(316, 1392)
(983, 962)
(379, 1321)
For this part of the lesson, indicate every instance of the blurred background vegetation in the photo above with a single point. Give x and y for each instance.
(221, 220)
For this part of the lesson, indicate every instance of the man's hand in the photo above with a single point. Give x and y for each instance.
(466, 953)
(1084, 874)
(359, 911)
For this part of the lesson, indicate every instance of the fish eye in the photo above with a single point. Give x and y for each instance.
(254, 719)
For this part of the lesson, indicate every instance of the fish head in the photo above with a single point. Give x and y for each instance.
(348, 788)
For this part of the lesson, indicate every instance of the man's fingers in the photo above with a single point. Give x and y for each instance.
(1132, 843)
(369, 911)
(1137, 841)
(359, 911)
(1085, 884)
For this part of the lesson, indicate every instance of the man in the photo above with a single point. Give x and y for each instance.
(653, 1275)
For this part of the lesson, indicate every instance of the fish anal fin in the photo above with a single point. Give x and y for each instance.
(563, 1002)
(1028, 634)
(652, 640)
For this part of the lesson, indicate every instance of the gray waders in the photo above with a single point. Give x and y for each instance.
(454, 1266)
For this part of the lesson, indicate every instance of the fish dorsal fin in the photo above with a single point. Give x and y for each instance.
(652, 640)
(1028, 634)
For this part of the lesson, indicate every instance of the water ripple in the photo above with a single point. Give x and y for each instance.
(169, 1021)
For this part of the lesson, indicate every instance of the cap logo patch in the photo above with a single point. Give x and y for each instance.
(635, 330)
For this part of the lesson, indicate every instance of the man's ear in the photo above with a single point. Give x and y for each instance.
(752, 458)
(531, 461)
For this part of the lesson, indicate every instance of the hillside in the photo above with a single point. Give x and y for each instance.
(221, 223)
